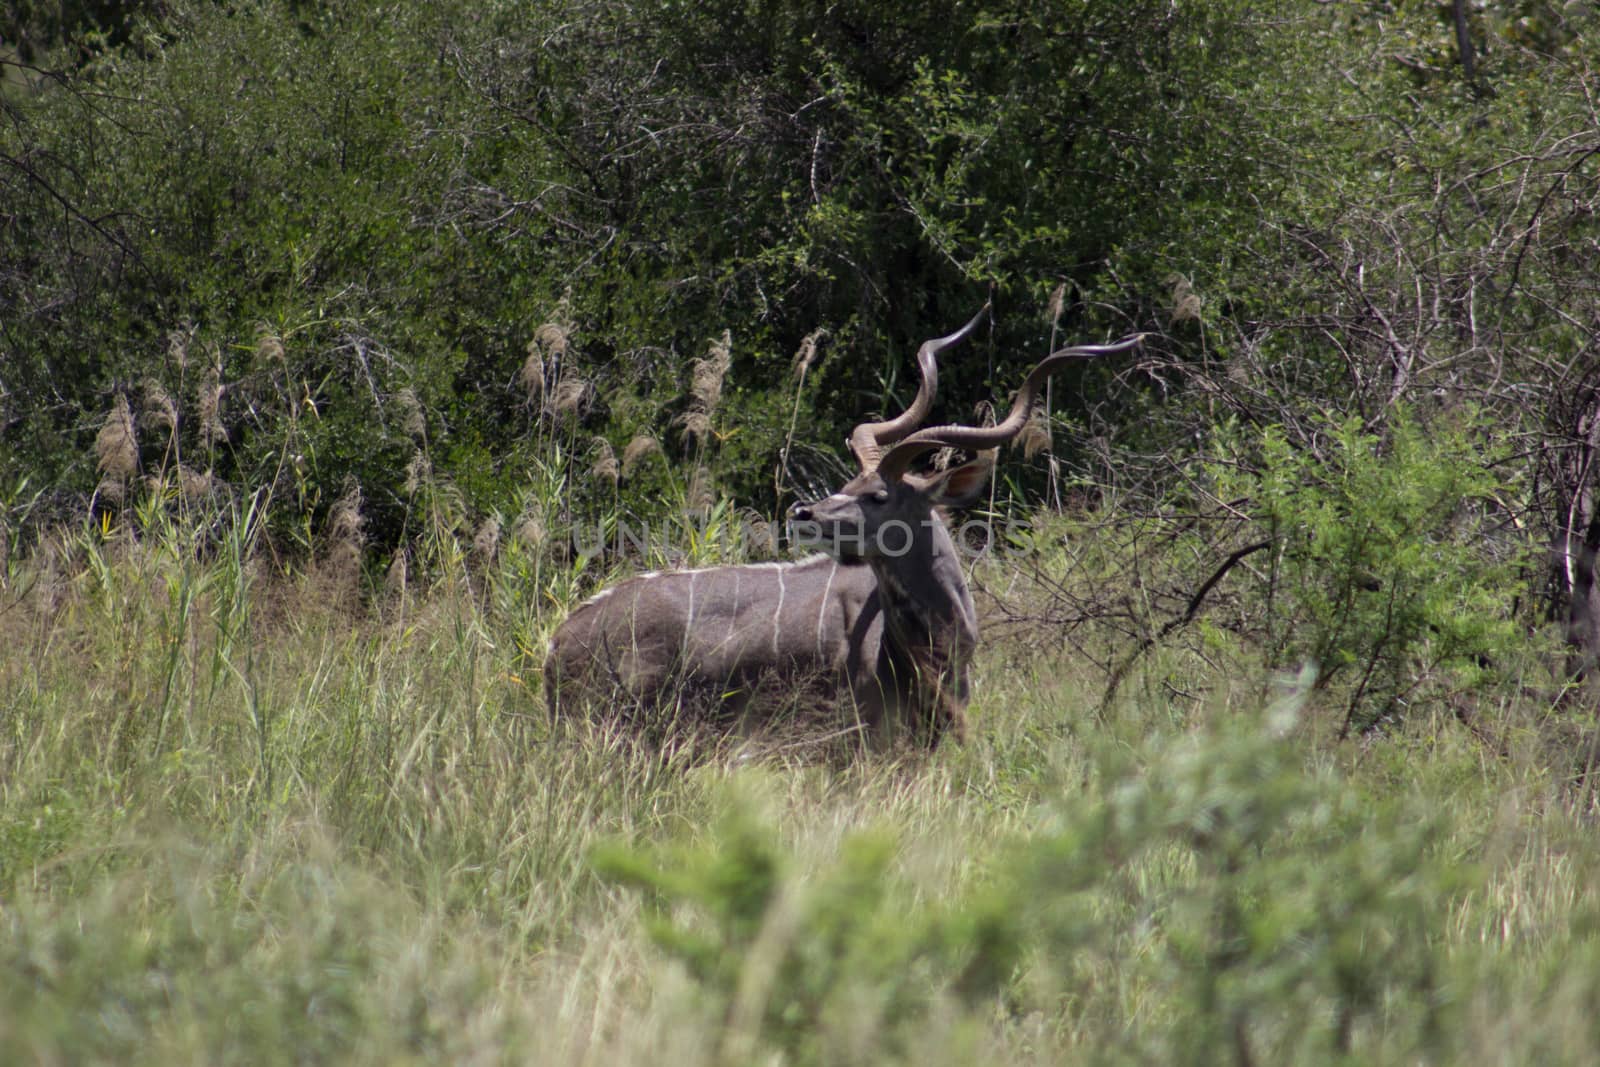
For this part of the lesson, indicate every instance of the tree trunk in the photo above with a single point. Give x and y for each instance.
(1469, 65)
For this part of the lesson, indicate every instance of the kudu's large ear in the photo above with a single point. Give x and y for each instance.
(960, 486)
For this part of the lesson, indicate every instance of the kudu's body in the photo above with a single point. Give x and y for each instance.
(759, 647)
(873, 636)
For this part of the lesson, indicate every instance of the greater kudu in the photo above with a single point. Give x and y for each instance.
(871, 637)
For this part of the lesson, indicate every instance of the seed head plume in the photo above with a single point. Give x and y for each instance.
(269, 345)
(195, 485)
(1035, 436)
(605, 461)
(758, 536)
(553, 338)
(178, 345)
(340, 569)
(705, 389)
(116, 449)
(546, 357)
(641, 446)
(531, 377)
(345, 522)
(1058, 304)
(696, 426)
(396, 580)
(571, 398)
(417, 471)
(209, 403)
(530, 528)
(710, 371)
(411, 417)
(158, 408)
(1185, 301)
(805, 356)
(49, 585)
(486, 542)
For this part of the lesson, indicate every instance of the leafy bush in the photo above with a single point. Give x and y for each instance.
(1278, 913)
(353, 223)
(1273, 910)
(797, 960)
(1384, 572)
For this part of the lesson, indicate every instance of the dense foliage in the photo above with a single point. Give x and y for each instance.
(344, 346)
(347, 215)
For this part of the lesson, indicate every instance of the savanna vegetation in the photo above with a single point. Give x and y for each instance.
(340, 344)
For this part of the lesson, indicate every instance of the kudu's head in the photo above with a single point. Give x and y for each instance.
(881, 511)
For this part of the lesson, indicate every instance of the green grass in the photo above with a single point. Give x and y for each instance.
(239, 823)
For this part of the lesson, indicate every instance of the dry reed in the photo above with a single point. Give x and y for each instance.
(178, 341)
(571, 398)
(1058, 304)
(758, 537)
(209, 403)
(417, 471)
(605, 461)
(269, 345)
(158, 409)
(805, 357)
(641, 446)
(486, 542)
(705, 390)
(339, 574)
(546, 355)
(397, 579)
(116, 449)
(554, 338)
(531, 377)
(530, 528)
(708, 374)
(194, 485)
(1035, 436)
(1185, 301)
(345, 521)
(412, 422)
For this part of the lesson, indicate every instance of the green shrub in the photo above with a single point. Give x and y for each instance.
(1201, 897)
(793, 960)
(1274, 911)
(1384, 572)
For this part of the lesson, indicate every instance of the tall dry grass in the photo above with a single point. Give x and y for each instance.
(243, 817)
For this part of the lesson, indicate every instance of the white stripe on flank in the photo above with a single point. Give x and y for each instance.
(689, 628)
(777, 617)
(822, 608)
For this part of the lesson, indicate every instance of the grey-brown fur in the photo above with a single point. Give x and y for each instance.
(760, 649)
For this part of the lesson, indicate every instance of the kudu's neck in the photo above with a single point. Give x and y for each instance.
(925, 595)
